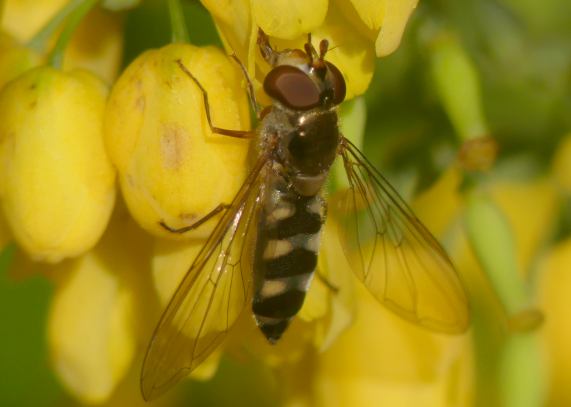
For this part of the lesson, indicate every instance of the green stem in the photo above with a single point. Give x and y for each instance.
(178, 23)
(39, 42)
(55, 58)
(522, 373)
(458, 85)
(492, 239)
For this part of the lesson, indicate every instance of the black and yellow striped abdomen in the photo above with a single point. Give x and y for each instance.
(286, 258)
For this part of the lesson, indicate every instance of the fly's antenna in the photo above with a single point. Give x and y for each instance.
(310, 50)
(323, 48)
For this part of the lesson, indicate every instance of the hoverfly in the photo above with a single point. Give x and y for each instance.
(263, 251)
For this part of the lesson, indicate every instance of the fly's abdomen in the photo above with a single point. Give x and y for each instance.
(286, 258)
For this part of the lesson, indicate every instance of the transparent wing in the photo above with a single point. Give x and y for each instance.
(393, 253)
(210, 297)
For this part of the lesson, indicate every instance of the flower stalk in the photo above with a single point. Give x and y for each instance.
(74, 18)
(458, 86)
(493, 242)
(39, 41)
(179, 31)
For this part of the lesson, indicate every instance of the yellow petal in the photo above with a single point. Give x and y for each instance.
(382, 359)
(24, 18)
(289, 19)
(394, 22)
(234, 23)
(171, 261)
(56, 180)
(172, 168)
(101, 305)
(384, 20)
(555, 285)
(518, 201)
(371, 13)
(97, 45)
(88, 331)
(440, 204)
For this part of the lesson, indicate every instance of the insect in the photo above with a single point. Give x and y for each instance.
(264, 249)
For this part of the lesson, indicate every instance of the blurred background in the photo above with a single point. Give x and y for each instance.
(490, 76)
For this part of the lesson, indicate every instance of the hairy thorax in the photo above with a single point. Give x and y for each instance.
(303, 143)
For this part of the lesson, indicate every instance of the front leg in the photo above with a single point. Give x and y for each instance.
(199, 222)
(218, 130)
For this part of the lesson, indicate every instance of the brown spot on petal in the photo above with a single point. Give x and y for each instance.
(140, 103)
(173, 141)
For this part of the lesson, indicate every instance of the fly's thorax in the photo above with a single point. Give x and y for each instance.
(307, 144)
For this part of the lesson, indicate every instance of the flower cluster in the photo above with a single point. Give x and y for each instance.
(95, 159)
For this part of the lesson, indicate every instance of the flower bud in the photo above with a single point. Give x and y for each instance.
(14, 59)
(458, 85)
(100, 307)
(23, 19)
(172, 168)
(97, 45)
(56, 182)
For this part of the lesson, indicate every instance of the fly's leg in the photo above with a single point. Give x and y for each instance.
(199, 222)
(269, 54)
(251, 94)
(214, 129)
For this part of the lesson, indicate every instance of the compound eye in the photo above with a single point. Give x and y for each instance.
(337, 83)
(292, 87)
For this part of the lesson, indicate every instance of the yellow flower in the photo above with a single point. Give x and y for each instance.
(57, 184)
(355, 30)
(97, 45)
(99, 311)
(57, 194)
(172, 168)
(385, 20)
(24, 18)
(289, 19)
(382, 359)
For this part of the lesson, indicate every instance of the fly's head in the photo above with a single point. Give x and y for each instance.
(302, 80)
